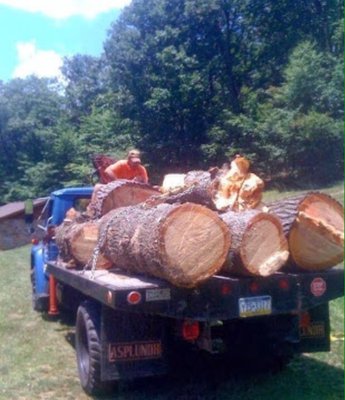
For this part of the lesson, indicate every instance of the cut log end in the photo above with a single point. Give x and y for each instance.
(316, 238)
(126, 196)
(259, 246)
(195, 242)
(264, 249)
(116, 194)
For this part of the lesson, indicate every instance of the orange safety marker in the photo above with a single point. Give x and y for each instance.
(53, 308)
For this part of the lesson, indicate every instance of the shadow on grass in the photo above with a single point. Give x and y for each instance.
(304, 379)
(65, 323)
(198, 377)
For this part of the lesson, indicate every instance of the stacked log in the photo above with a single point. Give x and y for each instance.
(182, 243)
(180, 235)
(119, 193)
(77, 242)
(198, 187)
(172, 182)
(258, 246)
(314, 226)
(220, 191)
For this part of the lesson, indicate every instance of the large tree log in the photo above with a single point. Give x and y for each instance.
(77, 240)
(198, 187)
(314, 226)
(216, 189)
(184, 244)
(258, 245)
(119, 193)
(239, 189)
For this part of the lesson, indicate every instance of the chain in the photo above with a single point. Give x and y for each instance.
(92, 263)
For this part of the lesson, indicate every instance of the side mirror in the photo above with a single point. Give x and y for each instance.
(29, 211)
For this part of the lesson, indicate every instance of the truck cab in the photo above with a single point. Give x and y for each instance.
(44, 248)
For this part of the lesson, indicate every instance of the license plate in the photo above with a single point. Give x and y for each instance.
(255, 306)
(158, 294)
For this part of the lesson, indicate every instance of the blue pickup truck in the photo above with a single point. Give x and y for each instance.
(135, 326)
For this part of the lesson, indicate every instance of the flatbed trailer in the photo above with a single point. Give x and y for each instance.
(220, 297)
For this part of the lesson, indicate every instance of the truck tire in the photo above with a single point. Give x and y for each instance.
(88, 349)
(39, 303)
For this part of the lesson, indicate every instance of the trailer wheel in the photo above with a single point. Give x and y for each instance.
(88, 348)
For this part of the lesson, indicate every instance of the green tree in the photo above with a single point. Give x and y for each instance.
(28, 108)
(186, 72)
(84, 81)
(293, 130)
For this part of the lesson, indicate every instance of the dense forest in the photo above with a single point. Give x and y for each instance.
(191, 83)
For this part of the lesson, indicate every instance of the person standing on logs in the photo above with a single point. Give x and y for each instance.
(130, 168)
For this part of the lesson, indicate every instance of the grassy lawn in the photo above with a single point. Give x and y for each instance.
(37, 358)
(336, 191)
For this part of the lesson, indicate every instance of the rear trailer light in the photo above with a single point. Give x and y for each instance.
(226, 289)
(284, 284)
(190, 330)
(134, 297)
(304, 319)
(254, 287)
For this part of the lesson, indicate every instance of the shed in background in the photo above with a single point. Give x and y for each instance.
(14, 232)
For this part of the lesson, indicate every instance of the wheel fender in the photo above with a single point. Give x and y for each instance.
(38, 266)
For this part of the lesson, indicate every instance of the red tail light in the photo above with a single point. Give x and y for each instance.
(254, 287)
(304, 320)
(284, 284)
(134, 297)
(190, 330)
(34, 241)
(226, 289)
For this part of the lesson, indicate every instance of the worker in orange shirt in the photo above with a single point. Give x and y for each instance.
(130, 169)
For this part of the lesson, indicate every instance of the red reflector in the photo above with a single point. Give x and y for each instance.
(304, 320)
(134, 297)
(225, 289)
(190, 330)
(284, 284)
(34, 241)
(254, 287)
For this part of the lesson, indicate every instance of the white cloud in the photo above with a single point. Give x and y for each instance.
(33, 61)
(63, 9)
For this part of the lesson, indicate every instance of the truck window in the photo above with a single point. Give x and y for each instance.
(80, 204)
(43, 218)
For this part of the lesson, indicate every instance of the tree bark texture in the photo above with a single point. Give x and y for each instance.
(215, 189)
(77, 241)
(184, 244)
(198, 187)
(119, 193)
(314, 226)
(258, 245)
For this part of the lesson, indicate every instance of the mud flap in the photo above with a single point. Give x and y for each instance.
(314, 329)
(133, 345)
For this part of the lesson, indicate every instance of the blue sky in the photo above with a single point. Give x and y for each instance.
(36, 34)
